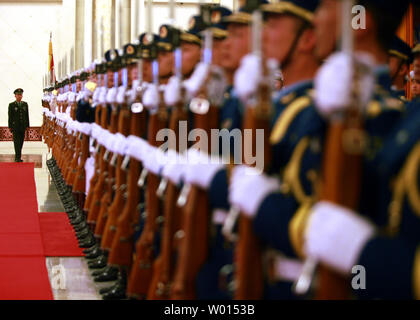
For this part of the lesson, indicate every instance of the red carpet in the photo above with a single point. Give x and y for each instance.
(58, 235)
(23, 271)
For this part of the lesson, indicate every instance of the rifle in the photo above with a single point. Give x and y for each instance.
(118, 203)
(342, 166)
(95, 177)
(74, 160)
(193, 246)
(106, 198)
(142, 271)
(163, 267)
(94, 205)
(341, 174)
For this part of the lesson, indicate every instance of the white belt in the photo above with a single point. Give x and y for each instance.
(281, 267)
(219, 216)
(286, 269)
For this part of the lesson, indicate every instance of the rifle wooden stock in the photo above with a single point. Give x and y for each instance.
(98, 191)
(117, 205)
(73, 159)
(249, 273)
(193, 247)
(95, 176)
(340, 184)
(122, 242)
(76, 150)
(142, 271)
(164, 266)
(137, 125)
(80, 178)
(109, 182)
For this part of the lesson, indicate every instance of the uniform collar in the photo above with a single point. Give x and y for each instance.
(297, 86)
(398, 92)
(382, 77)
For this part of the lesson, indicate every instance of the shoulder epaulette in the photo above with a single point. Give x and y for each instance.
(287, 117)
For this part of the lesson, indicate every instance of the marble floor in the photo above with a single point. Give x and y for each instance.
(78, 283)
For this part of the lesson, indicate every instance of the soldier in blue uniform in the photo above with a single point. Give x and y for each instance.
(399, 64)
(289, 53)
(279, 209)
(18, 122)
(388, 261)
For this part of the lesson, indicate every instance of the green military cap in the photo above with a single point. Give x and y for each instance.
(169, 38)
(113, 59)
(303, 9)
(217, 27)
(195, 27)
(18, 91)
(100, 68)
(129, 54)
(84, 76)
(148, 44)
(244, 14)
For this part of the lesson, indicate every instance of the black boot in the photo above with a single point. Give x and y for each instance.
(108, 274)
(94, 253)
(83, 233)
(99, 262)
(118, 292)
(90, 249)
(88, 242)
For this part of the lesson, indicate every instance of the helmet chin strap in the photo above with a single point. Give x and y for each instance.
(292, 48)
(395, 75)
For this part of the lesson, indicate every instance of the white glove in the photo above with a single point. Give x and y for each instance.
(108, 140)
(133, 92)
(248, 77)
(137, 147)
(120, 144)
(111, 95)
(336, 236)
(201, 168)
(174, 168)
(77, 126)
(121, 95)
(249, 187)
(90, 170)
(334, 82)
(154, 160)
(103, 136)
(95, 131)
(80, 96)
(71, 97)
(196, 81)
(151, 97)
(172, 93)
(86, 128)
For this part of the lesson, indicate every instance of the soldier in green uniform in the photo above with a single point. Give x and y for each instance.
(18, 122)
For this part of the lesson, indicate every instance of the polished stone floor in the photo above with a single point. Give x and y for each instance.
(78, 283)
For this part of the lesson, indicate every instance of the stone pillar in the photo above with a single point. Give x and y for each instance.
(125, 22)
(80, 35)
